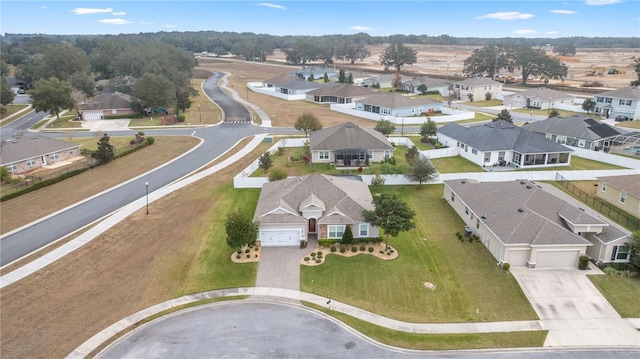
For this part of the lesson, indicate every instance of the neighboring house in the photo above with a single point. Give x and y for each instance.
(24, 155)
(622, 192)
(292, 85)
(383, 81)
(349, 145)
(358, 77)
(502, 143)
(322, 206)
(478, 88)
(317, 72)
(577, 131)
(389, 104)
(523, 225)
(431, 85)
(624, 101)
(341, 93)
(538, 98)
(105, 105)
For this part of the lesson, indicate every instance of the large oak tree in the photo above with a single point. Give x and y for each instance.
(398, 55)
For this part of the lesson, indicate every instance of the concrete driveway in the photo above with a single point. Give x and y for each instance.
(573, 310)
(106, 125)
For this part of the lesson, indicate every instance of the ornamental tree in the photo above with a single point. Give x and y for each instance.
(391, 214)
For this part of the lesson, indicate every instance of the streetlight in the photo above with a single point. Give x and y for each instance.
(199, 113)
(549, 109)
(146, 184)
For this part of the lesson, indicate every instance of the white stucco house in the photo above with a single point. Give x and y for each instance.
(340, 93)
(624, 101)
(389, 104)
(477, 87)
(501, 143)
(430, 84)
(314, 206)
(538, 98)
(523, 225)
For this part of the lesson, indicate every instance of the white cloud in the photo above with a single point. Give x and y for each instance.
(170, 26)
(602, 2)
(43, 7)
(115, 21)
(273, 6)
(563, 12)
(507, 15)
(361, 28)
(525, 32)
(119, 13)
(86, 11)
(552, 32)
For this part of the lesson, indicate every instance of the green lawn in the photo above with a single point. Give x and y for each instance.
(65, 121)
(563, 113)
(92, 142)
(629, 124)
(456, 164)
(580, 163)
(11, 109)
(465, 274)
(483, 103)
(623, 293)
(421, 145)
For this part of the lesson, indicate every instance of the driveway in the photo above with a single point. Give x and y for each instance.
(573, 310)
(279, 267)
(106, 125)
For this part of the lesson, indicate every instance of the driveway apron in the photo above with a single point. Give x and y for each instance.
(279, 267)
(573, 309)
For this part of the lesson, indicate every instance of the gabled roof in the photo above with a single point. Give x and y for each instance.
(390, 100)
(626, 183)
(316, 71)
(280, 79)
(501, 136)
(20, 150)
(342, 90)
(574, 126)
(344, 198)
(427, 81)
(348, 135)
(477, 81)
(519, 212)
(542, 93)
(628, 93)
(108, 101)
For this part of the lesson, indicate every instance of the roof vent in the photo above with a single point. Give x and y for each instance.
(463, 181)
(529, 187)
(520, 210)
(582, 209)
(522, 182)
(484, 217)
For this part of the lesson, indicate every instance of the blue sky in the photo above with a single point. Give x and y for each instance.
(458, 18)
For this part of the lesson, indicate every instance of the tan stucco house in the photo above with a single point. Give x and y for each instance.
(622, 192)
(349, 145)
(523, 225)
(24, 155)
(313, 206)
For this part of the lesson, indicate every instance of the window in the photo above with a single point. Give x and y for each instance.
(477, 223)
(387, 154)
(453, 198)
(323, 155)
(580, 143)
(53, 156)
(466, 148)
(501, 156)
(487, 157)
(474, 151)
(623, 197)
(621, 102)
(604, 187)
(369, 154)
(31, 162)
(336, 231)
(621, 253)
(466, 210)
(12, 167)
(363, 230)
(628, 103)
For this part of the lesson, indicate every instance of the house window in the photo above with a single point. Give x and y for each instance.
(472, 216)
(369, 154)
(53, 156)
(323, 155)
(623, 197)
(336, 231)
(466, 148)
(71, 152)
(477, 223)
(604, 187)
(474, 151)
(457, 143)
(12, 167)
(31, 162)
(621, 102)
(363, 229)
(453, 198)
(628, 103)
(466, 210)
(501, 156)
(387, 154)
(580, 143)
(621, 253)
(487, 157)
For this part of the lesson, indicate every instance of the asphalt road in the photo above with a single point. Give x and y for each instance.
(254, 329)
(21, 125)
(217, 140)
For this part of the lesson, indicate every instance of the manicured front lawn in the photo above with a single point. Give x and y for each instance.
(65, 121)
(483, 103)
(629, 124)
(456, 164)
(623, 293)
(469, 285)
(11, 109)
(563, 113)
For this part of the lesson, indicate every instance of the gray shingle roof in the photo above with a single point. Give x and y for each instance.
(628, 93)
(501, 136)
(108, 101)
(343, 198)
(519, 212)
(542, 93)
(626, 183)
(477, 81)
(427, 81)
(574, 126)
(348, 135)
(342, 90)
(389, 100)
(25, 148)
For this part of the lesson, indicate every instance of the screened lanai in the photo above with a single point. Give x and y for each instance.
(626, 144)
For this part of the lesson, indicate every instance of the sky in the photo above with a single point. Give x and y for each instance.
(457, 18)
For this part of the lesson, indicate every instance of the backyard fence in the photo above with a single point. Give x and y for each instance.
(600, 205)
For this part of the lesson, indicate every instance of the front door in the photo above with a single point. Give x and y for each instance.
(312, 225)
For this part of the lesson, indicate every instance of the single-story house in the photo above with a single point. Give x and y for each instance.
(317, 72)
(623, 101)
(477, 87)
(622, 192)
(292, 85)
(341, 93)
(313, 206)
(24, 155)
(577, 130)
(523, 225)
(538, 98)
(383, 81)
(389, 104)
(501, 143)
(105, 105)
(349, 145)
(358, 77)
(431, 84)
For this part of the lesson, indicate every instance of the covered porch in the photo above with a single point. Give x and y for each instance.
(352, 157)
(528, 160)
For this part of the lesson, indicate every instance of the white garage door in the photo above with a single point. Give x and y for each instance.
(275, 238)
(519, 257)
(92, 115)
(546, 259)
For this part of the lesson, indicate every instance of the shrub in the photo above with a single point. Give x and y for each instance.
(354, 249)
(280, 151)
(333, 249)
(256, 248)
(150, 140)
(370, 249)
(140, 133)
(583, 262)
(306, 259)
(377, 180)
(237, 256)
(342, 250)
(277, 174)
(506, 266)
(239, 251)
(248, 256)
(318, 260)
(132, 142)
(459, 235)
(362, 248)
(248, 250)
(181, 118)
(326, 242)
(347, 236)
(313, 254)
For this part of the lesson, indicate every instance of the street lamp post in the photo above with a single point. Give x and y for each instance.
(549, 109)
(199, 113)
(146, 184)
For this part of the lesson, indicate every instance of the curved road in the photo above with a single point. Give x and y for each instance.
(216, 140)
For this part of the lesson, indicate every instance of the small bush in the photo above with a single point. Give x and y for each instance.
(333, 249)
(318, 260)
(362, 248)
(506, 266)
(248, 256)
(280, 151)
(132, 142)
(583, 262)
(326, 242)
(277, 174)
(313, 254)
(342, 250)
(150, 140)
(354, 249)
(181, 118)
(370, 249)
(319, 254)
(239, 251)
(256, 248)
(306, 259)
(237, 256)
